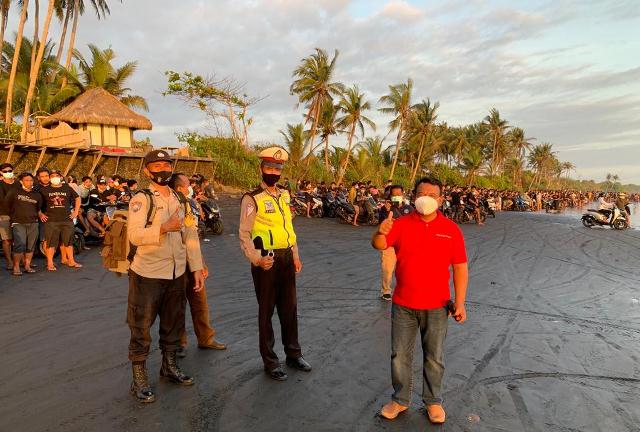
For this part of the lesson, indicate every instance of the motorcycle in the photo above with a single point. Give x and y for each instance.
(299, 203)
(329, 205)
(346, 212)
(613, 218)
(212, 216)
(467, 214)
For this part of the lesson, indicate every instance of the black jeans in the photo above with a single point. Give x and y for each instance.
(276, 287)
(149, 298)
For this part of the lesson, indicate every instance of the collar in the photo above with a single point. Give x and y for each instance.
(264, 187)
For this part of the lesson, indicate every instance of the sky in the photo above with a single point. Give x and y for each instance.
(566, 71)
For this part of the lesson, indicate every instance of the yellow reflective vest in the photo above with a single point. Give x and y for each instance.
(273, 220)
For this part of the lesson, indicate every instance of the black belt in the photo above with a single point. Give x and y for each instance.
(275, 252)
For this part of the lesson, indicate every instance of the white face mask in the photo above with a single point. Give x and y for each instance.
(190, 194)
(426, 205)
(7, 175)
(56, 181)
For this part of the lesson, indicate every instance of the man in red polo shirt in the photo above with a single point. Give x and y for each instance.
(427, 245)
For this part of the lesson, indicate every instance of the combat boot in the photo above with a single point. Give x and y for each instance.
(140, 387)
(172, 372)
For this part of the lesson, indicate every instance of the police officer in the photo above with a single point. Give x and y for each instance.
(268, 241)
(396, 205)
(165, 243)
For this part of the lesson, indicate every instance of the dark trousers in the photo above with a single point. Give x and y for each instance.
(276, 287)
(199, 314)
(149, 298)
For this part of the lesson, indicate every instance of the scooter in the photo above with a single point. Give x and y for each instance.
(613, 218)
(212, 216)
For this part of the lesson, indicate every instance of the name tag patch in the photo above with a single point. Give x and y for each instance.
(269, 207)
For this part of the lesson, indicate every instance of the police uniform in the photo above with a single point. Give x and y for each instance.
(157, 280)
(266, 229)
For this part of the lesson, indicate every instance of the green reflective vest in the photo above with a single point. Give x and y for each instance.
(273, 220)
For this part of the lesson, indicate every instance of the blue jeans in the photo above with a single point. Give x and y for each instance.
(405, 323)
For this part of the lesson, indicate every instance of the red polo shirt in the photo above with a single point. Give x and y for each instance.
(425, 252)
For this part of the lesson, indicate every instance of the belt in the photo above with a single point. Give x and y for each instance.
(276, 252)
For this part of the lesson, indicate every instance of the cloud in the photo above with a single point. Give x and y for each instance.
(402, 11)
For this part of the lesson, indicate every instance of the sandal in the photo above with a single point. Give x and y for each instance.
(29, 270)
(18, 273)
(52, 269)
(75, 265)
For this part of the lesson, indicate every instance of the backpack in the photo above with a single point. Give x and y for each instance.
(118, 252)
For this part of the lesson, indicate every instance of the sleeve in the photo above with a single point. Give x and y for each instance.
(394, 234)
(9, 202)
(247, 218)
(459, 253)
(43, 204)
(192, 244)
(138, 234)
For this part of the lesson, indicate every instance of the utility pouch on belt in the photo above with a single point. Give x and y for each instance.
(259, 245)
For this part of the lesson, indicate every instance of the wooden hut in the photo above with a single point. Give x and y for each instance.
(95, 119)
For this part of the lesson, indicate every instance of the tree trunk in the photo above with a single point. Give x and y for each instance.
(3, 26)
(72, 39)
(415, 169)
(315, 111)
(63, 36)
(36, 29)
(14, 66)
(343, 169)
(397, 152)
(35, 70)
(245, 128)
(326, 153)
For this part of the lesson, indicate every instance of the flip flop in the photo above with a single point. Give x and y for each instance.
(52, 269)
(76, 266)
(17, 273)
(30, 271)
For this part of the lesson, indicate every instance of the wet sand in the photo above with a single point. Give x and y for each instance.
(551, 344)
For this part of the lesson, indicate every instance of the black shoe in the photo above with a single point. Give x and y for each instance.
(386, 297)
(299, 363)
(172, 372)
(140, 385)
(181, 352)
(277, 374)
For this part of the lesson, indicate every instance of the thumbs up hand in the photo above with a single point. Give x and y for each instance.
(386, 225)
(173, 224)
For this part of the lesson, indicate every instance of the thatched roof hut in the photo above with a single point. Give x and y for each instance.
(109, 122)
(98, 106)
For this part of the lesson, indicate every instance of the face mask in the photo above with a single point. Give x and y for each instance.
(397, 200)
(116, 184)
(56, 181)
(426, 205)
(7, 175)
(190, 194)
(161, 177)
(270, 179)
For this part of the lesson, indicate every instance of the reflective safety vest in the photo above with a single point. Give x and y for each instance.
(272, 225)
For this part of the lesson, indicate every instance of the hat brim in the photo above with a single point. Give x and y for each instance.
(276, 165)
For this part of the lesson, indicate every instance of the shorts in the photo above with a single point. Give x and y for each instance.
(5, 228)
(58, 233)
(25, 237)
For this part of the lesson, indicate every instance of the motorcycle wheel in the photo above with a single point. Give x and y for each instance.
(78, 243)
(483, 217)
(588, 221)
(217, 227)
(619, 224)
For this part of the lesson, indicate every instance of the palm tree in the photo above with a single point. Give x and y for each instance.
(78, 7)
(352, 105)
(420, 128)
(35, 70)
(8, 116)
(519, 143)
(5, 6)
(542, 159)
(567, 167)
(398, 102)
(497, 128)
(373, 147)
(99, 72)
(294, 139)
(472, 161)
(327, 126)
(314, 84)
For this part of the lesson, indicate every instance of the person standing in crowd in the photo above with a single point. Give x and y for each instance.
(7, 184)
(198, 305)
(43, 177)
(61, 206)
(269, 242)
(165, 241)
(24, 205)
(398, 208)
(427, 245)
(473, 201)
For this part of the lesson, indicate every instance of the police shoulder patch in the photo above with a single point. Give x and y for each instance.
(136, 206)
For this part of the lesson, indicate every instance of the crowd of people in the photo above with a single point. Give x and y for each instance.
(47, 210)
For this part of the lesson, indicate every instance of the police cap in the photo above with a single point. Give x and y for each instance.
(274, 157)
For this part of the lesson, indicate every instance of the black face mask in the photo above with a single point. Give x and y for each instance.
(161, 177)
(270, 179)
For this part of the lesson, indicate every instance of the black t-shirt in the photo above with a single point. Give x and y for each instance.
(471, 199)
(23, 206)
(5, 188)
(455, 198)
(58, 202)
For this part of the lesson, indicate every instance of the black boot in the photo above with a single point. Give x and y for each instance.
(140, 387)
(172, 372)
